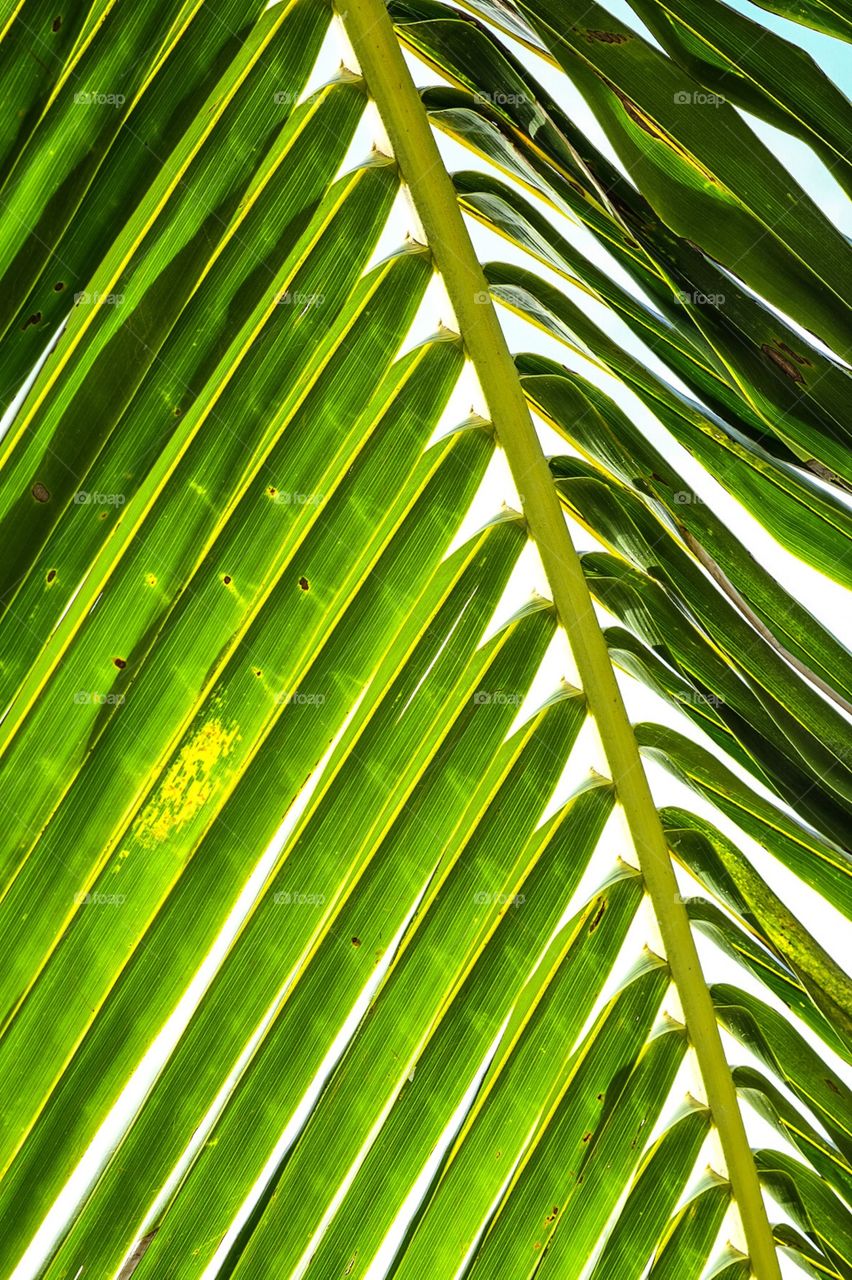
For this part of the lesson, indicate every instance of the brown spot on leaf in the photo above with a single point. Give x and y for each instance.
(832, 1086)
(621, 207)
(586, 1137)
(598, 916)
(553, 1215)
(800, 359)
(120, 663)
(51, 574)
(356, 942)
(637, 115)
(606, 37)
(35, 318)
(783, 364)
(40, 493)
(227, 579)
(137, 1255)
(56, 24)
(304, 584)
(59, 286)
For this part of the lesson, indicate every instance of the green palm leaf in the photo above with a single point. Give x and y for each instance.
(350, 926)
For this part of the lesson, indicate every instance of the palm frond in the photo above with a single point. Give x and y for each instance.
(324, 952)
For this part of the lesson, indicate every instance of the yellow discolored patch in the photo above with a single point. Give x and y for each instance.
(189, 783)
